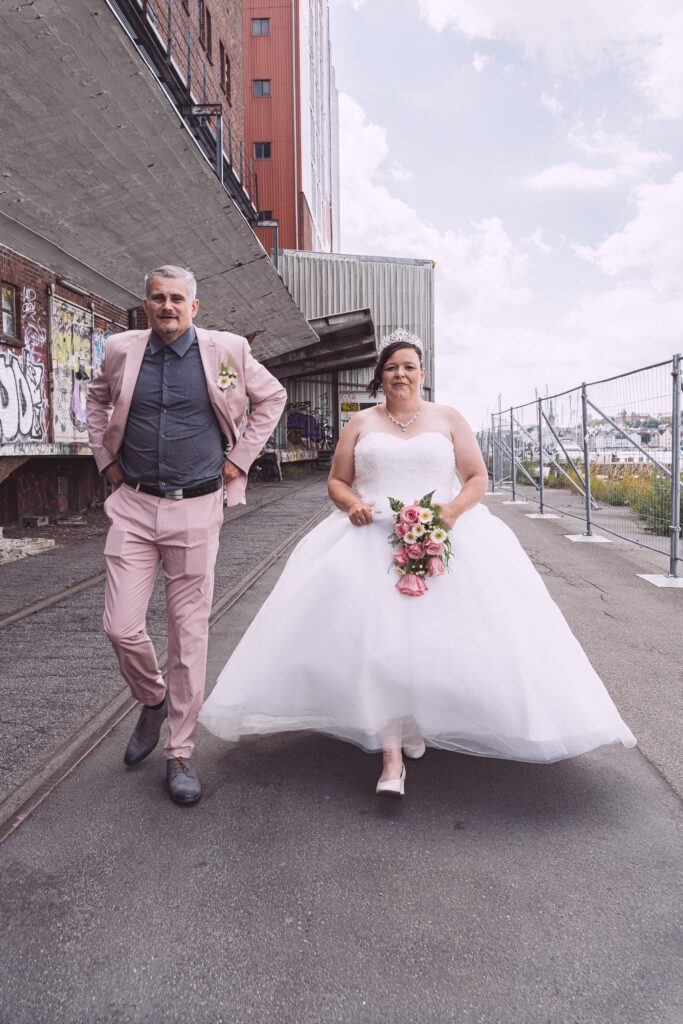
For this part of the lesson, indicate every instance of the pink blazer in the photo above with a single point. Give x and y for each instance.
(111, 392)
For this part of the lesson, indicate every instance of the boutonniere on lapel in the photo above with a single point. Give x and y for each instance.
(227, 376)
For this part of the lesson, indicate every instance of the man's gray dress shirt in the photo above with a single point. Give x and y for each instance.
(172, 437)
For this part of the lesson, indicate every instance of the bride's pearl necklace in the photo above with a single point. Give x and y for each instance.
(403, 426)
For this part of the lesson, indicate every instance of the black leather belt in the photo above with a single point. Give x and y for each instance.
(179, 492)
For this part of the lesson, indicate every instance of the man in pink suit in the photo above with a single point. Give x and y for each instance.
(162, 415)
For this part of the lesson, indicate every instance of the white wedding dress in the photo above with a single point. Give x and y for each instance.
(483, 663)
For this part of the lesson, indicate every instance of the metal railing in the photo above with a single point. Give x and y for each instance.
(607, 453)
(161, 30)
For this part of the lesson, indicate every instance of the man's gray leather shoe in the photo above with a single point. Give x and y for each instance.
(146, 733)
(183, 783)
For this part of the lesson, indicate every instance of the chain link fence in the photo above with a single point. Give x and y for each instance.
(607, 453)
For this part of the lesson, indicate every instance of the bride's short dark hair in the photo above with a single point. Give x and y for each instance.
(375, 385)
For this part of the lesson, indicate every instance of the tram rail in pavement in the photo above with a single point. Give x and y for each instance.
(26, 797)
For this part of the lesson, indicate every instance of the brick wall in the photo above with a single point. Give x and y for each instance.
(224, 17)
(46, 364)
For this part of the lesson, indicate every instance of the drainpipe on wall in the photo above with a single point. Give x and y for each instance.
(295, 45)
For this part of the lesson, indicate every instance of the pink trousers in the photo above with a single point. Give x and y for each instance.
(183, 537)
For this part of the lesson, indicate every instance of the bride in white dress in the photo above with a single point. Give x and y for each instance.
(482, 663)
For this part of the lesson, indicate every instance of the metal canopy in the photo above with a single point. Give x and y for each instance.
(347, 340)
(102, 179)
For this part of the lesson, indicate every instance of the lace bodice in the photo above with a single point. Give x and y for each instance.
(404, 468)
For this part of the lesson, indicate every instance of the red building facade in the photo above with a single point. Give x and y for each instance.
(290, 104)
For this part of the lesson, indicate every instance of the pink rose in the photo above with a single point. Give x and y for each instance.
(414, 550)
(410, 515)
(432, 548)
(436, 567)
(400, 529)
(412, 586)
(401, 558)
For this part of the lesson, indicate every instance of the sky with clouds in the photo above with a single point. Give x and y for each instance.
(534, 151)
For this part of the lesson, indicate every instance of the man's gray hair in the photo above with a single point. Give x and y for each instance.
(169, 271)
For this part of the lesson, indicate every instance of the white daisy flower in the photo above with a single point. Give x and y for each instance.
(418, 530)
(426, 515)
(410, 537)
(439, 535)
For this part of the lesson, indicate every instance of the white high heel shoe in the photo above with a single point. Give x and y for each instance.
(393, 787)
(414, 750)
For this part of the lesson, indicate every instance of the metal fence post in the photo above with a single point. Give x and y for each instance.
(586, 460)
(540, 456)
(513, 469)
(675, 467)
(493, 454)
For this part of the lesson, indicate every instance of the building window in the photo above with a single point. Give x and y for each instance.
(10, 326)
(261, 151)
(265, 215)
(261, 86)
(201, 18)
(226, 84)
(260, 26)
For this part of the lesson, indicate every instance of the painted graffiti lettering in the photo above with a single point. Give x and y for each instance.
(71, 343)
(34, 332)
(21, 398)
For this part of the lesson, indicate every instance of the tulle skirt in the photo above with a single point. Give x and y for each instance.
(484, 663)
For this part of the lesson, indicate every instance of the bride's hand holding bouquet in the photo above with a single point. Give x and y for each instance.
(423, 547)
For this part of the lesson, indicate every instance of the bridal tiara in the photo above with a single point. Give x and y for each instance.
(401, 335)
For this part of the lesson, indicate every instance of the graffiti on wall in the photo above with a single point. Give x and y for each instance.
(308, 428)
(34, 336)
(71, 346)
(99, 336)
(22, 397)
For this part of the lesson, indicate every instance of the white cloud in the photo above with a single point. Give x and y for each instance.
(551, 104)
(480, 272)
(572, 175)
(400, 173)
(480, 61)
(537, 240)
(642, 312)
(643, 38)
(493, 333)
(479, 268)
(627, 160)
(651, 243)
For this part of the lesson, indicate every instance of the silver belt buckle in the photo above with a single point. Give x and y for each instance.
(175, 495)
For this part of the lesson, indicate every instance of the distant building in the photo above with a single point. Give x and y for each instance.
(356, 300)
(291, 122)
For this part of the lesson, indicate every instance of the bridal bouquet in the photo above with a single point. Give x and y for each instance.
(422, 543)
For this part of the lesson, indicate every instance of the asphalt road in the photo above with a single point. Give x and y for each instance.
(496, 893)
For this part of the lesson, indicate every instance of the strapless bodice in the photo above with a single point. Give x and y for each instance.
(404, 468)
